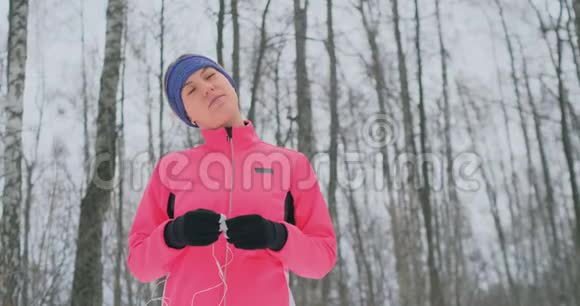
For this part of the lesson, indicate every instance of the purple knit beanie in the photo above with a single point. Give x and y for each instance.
(176, 75)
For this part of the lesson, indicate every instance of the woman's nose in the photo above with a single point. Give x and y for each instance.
(208, 89)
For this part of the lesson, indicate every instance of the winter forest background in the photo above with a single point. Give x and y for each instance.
(444, 134)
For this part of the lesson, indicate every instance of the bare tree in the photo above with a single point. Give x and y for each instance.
(362, 245)
(511, 184)
(236, 46)
(577, 21)
(87, 281)
(304, 117)
(31, 165)
(118, 291)
(161, 102)
(490, 189)
(10, 260)
(376, 67)
(303, 97)
(277, 102)
(220, 31)
(160, 76)
(258, 70)
(567, 144)
(546, 200)
(333, 156)
(85, 98)
(436, 292)
(570, 19)
(549, 199)
(452, 207)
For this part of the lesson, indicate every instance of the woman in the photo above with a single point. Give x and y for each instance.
(228, 219)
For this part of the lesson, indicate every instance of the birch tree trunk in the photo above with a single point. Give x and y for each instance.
(10, 279)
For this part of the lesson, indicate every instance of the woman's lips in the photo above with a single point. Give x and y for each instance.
(214, 100)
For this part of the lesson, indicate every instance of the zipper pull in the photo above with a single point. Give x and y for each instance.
(229, 132)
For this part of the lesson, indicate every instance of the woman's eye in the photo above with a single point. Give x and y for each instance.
(191, 91)
(210, 76)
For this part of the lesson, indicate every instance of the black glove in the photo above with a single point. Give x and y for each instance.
(251, 232)
(198, 227)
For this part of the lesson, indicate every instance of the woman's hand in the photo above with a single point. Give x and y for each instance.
(251, 232)
(197, 228)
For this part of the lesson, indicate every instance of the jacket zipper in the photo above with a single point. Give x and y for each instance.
(230, 139)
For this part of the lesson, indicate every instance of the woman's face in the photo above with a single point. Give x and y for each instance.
(209, 99)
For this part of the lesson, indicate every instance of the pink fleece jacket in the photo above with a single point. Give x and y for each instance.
(232, 173)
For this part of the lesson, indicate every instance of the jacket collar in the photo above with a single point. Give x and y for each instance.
(242, 136)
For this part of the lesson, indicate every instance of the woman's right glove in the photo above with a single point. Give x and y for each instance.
(199, 227)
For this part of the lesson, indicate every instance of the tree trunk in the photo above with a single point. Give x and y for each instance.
(489, 190)
(12, 192)
(362, 239)
(515, 81)
(129, 282)
(159, 291)
(568, 149)
(27, 204)
(278, 135)
(333, 156)
(577, 22)
(305, 128)
(405, 291)
(119, 262)
(85, 98)
(220, 32)
(530, 167)
(236, 47)
(258, 70)
(456, 238)
(570, 32)
(436, 293)
(360, 248)
(410, 155)
(160, 77)
(87, 281)
(27, 274)
(548, 200)
(150, 133)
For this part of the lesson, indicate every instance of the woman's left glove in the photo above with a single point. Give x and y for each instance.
(251, 232)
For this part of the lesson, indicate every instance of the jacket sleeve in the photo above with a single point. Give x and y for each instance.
(310, 249)
(149, 256)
